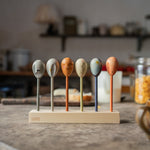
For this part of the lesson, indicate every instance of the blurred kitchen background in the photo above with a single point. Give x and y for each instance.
(42, 29)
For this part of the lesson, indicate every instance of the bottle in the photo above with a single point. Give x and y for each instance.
(142, 81)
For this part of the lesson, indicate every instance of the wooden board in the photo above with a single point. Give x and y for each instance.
(44, 101)
(46, 116)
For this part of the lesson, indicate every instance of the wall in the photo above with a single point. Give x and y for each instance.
(18, 29)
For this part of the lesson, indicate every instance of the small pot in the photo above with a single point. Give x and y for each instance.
(19, 58)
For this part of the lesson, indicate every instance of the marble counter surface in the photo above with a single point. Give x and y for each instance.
(18, 133)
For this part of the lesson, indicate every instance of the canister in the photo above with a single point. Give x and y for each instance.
(142, 80)
(19, 58)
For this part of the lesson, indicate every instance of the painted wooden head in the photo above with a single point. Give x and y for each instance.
(96, 66)
(81, 67)
(38, 68)
(52, 67)
(112, 65)
(67, 66)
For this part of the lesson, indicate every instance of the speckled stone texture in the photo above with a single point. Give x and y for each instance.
(18, 133)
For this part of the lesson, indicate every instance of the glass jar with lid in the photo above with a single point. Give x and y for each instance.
(142, 81)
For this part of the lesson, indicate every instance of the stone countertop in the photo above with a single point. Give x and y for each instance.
(18, 133)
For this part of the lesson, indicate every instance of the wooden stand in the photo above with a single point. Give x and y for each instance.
(47, 116)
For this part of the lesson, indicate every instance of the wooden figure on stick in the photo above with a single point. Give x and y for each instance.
(52, 67)
(67, 66)
(81, 69)
(96, 67)
(112, 66)
(38, 69)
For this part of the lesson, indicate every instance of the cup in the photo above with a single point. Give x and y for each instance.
(104, 87)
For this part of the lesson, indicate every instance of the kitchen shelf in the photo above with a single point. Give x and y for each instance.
(60, 74)
(30, 73)
(140, 39)
(16, 73)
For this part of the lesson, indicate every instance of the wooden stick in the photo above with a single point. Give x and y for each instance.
(96, 67)
(67, 82)
(38, 68)
(111, 65)
(38, 95)
(96, 101)
(111, 93)
(67, 68)
(81, 93)
(52, 94)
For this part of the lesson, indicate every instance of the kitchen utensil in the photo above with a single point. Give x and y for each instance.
(96, 67)
(112, 66)
(81, 69)
(52, 67)
(67, 68)
(38, 69)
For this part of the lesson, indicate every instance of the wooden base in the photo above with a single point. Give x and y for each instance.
(46, 116)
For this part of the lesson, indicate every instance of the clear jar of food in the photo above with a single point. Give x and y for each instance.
(142, 81)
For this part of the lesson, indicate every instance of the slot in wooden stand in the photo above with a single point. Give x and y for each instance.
(47, 116)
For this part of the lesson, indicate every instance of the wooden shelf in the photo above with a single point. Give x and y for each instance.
(16, 73)
(89, 36)
(29, 73)
(140, 38)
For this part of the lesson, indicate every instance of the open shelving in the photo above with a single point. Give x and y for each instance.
(140, 38)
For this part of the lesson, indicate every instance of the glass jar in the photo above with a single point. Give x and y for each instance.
(132, 86)
(142, 81)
